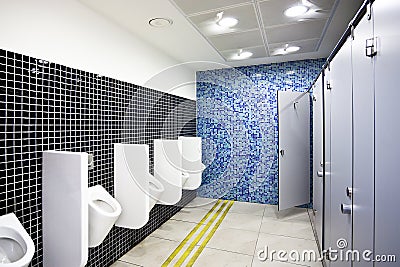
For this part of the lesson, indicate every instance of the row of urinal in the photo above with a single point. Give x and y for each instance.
(177, 166)
(76, 217)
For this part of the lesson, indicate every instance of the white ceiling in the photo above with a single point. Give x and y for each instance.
(262, 27)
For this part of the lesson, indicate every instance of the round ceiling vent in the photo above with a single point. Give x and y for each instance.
(160, 22)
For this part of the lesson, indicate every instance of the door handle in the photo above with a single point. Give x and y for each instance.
(282, 152)
(345, 208)
(320, 173)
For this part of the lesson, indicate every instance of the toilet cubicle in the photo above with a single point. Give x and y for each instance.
(360, 139)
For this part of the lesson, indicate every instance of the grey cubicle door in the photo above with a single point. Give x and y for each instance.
(294, 149)
(387, 129)
(363, 141)
(327, 159)
(341, 147)
(318, 186)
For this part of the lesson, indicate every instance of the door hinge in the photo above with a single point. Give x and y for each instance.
(352, 32)
(369, 10)
(314, 98)
(328, 85)
(371, 47)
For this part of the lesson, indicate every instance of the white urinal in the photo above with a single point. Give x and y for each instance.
(104, 210)
(155, 191)
(191, 161)
(135, 188)
(16, 246)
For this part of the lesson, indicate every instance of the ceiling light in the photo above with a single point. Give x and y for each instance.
(242, 55)
(226, 22)
(286, 50)
(160, 22)
(291, 49)
(296, 11)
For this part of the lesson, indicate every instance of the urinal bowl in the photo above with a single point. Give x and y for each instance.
(155, 191)
(104, 210)
(16, 246)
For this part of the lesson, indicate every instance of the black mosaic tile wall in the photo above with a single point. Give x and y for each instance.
(46, 106)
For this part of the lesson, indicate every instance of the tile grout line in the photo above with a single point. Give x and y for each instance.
(258, 237)
(130, 263)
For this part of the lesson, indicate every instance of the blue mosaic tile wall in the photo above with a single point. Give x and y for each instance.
(238, 122)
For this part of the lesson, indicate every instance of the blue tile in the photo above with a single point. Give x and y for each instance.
(237, 119)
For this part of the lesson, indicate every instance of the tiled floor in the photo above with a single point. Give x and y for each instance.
(246, 229)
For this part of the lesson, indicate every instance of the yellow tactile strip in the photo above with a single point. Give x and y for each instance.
(223, 209)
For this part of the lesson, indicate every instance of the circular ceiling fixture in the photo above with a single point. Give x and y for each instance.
(226, 22)
(292, 49)
(286, 50)
(160, 22)
(242, 55)
(296, 11)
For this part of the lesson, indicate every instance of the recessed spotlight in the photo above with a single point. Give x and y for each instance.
(242, 55)
(226, 22)
(160, 22)
(296, 11)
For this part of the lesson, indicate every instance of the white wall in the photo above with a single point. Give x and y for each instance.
(69, 33)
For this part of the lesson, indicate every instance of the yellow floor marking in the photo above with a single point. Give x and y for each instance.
(209, 236)
(190, 235)
(197, 239)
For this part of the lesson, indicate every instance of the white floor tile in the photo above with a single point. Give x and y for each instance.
(271, 211)
(150, 252)
(217, 258)
(193, 215)
(287, 228)
(248, 208)
(174, 230)
(292, 214)
(247, 228)
(242, 222)
(234, 240)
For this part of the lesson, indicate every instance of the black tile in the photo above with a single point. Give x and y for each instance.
(49, 106)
